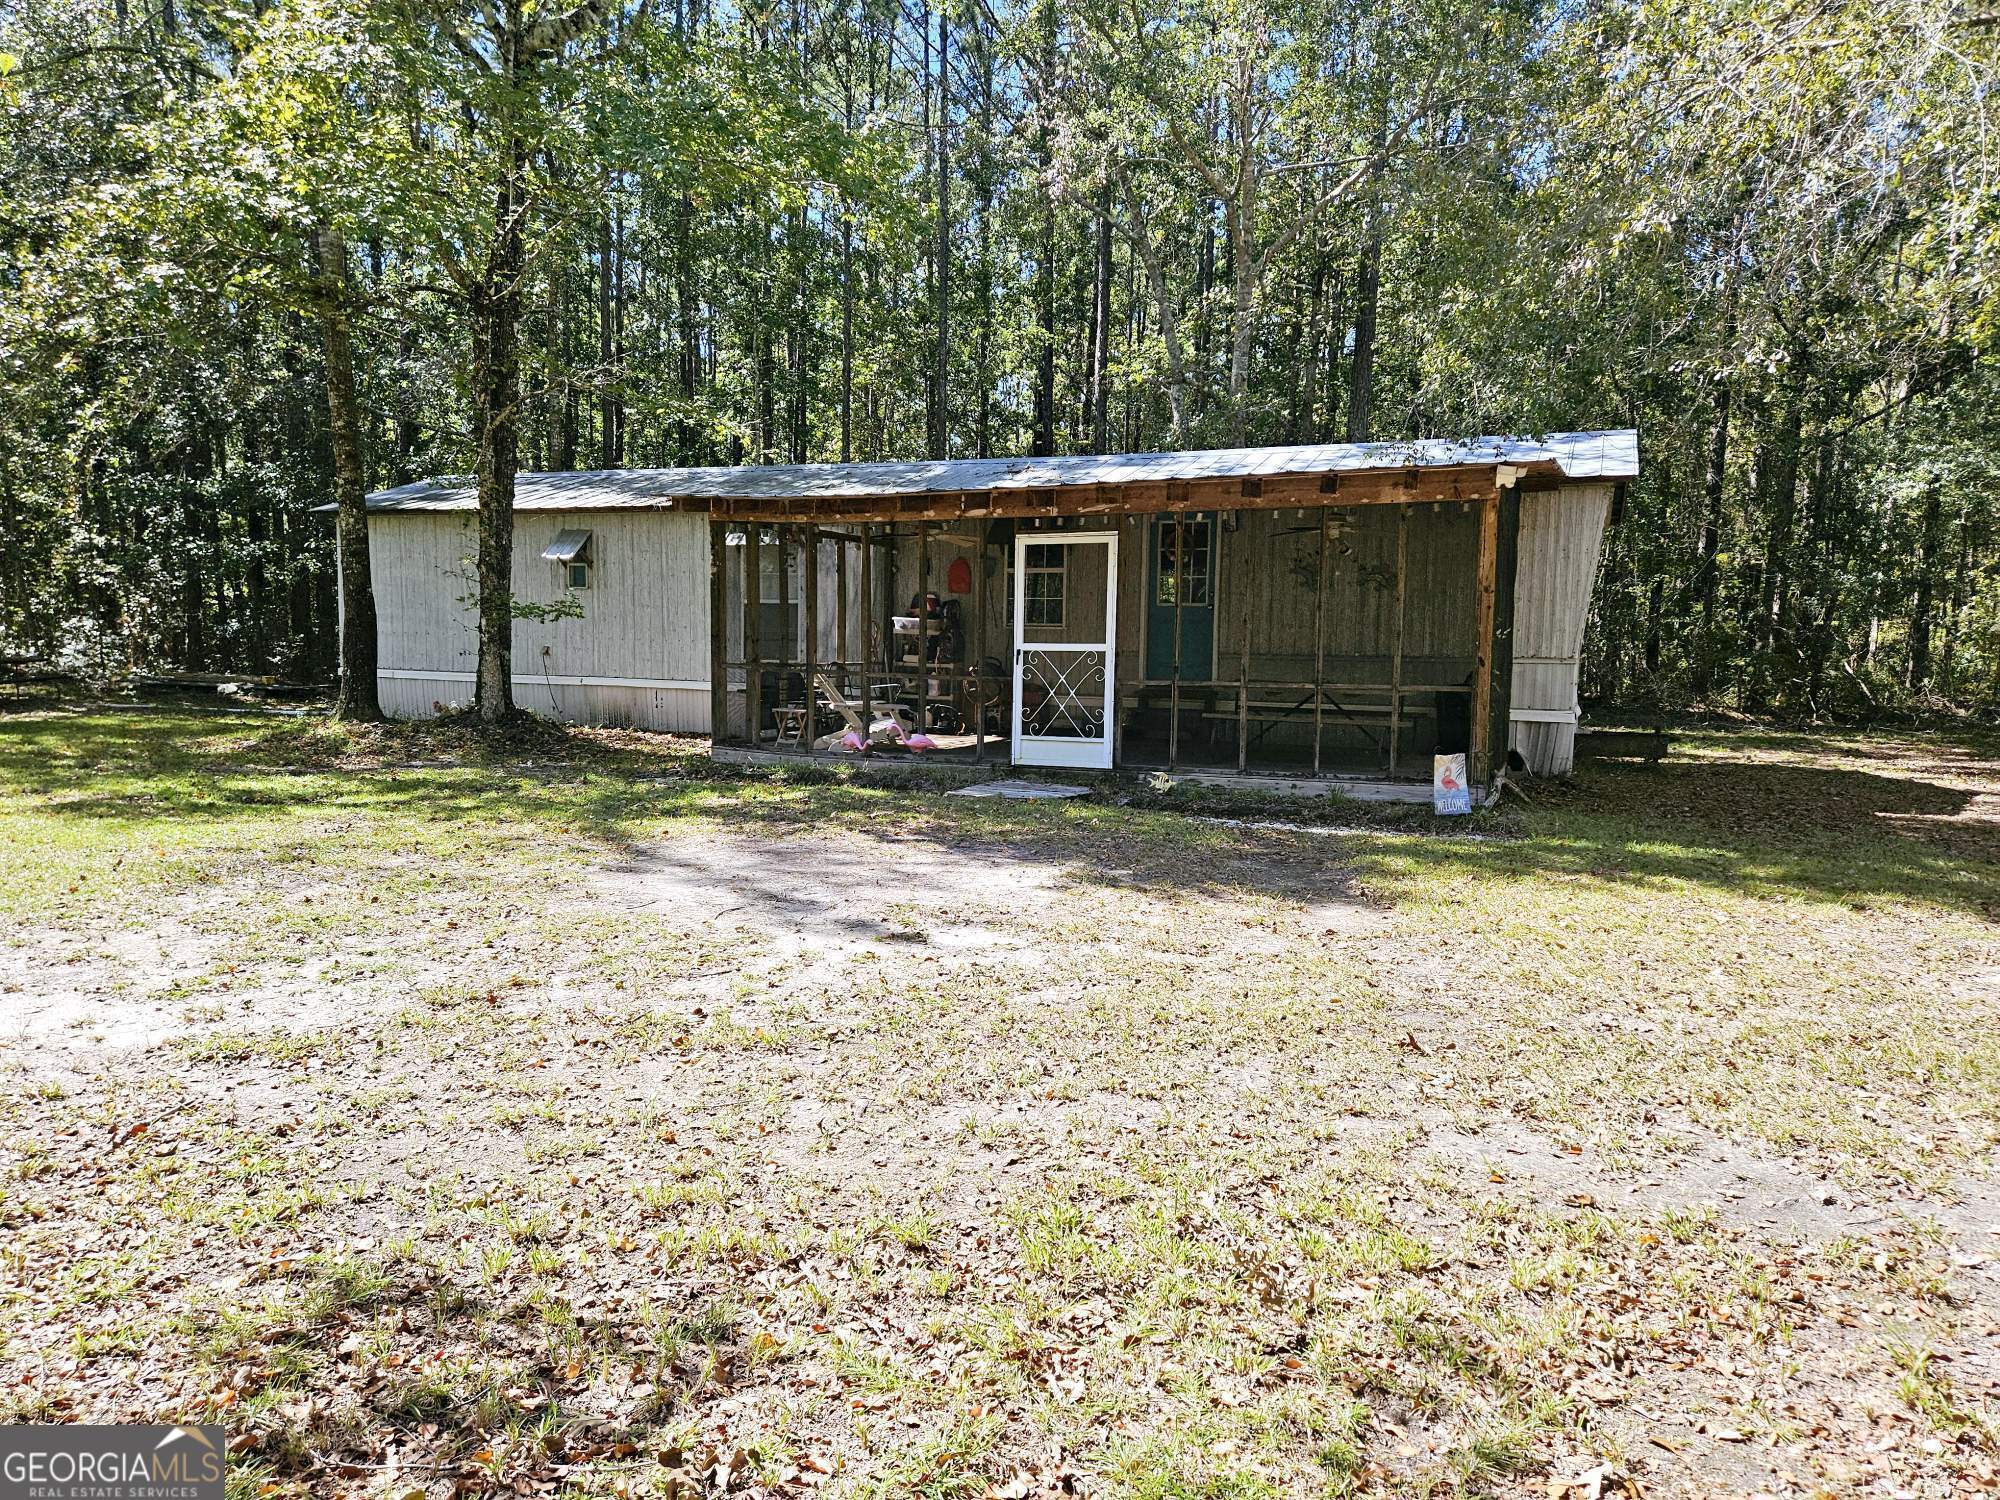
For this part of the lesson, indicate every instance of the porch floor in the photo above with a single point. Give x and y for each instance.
(889, 764)
(1362, 784)
(1359, 788)
(1199, 752)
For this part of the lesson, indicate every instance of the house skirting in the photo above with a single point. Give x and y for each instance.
(639, 703)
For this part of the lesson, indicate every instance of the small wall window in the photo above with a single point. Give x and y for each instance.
(570, 552)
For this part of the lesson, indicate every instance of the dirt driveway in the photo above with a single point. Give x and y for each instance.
(464, 1128)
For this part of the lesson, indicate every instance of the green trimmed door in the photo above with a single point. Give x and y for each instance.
(1181, 555)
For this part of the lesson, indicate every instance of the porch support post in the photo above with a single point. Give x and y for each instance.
(1174, 691)
(923, 627)
(888, 636)
(753, 644)
(843, 639)
(976, 650)
(867, 630)
(1127, 554)
(1396, 635)
(785, 657)
(1242, 695)
(1319, 642)
(1482, 671)
(718, 632)
(809, 560)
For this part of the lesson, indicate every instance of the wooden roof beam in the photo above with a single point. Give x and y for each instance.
(1271, 492)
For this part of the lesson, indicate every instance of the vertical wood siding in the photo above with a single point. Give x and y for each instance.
(1268, 574)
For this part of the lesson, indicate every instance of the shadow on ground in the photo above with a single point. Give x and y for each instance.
(1824, 831)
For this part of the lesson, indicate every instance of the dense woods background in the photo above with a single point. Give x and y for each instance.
(246, 249)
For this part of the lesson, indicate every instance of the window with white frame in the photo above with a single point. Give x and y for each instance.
(1181, 564)
(1046, 575)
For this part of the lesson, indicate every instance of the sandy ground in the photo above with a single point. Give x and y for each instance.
(893, 1020)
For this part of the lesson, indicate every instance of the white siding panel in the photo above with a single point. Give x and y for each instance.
(1544, 685)
(1562, 534)
(1549, 749)
(422, 570)
(646, 610)
(645, 616)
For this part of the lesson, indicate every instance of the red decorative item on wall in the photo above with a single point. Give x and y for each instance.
(958, 577)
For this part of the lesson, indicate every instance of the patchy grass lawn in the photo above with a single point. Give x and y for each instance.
(579, 1118)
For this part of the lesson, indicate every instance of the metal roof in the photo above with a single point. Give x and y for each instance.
(1577, 455)
(567, 547)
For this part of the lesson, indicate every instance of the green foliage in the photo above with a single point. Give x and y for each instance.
(1764, 236)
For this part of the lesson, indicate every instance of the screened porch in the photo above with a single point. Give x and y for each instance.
(1326, 642)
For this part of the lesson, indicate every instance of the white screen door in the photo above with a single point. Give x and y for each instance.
(1065, 599)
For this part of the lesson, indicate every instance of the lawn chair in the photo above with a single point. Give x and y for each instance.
(892, 721)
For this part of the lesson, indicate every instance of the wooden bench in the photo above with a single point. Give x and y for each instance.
(1267, 714)
(1275, 712)
(1621, 744)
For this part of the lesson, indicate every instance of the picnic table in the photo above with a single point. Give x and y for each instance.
(19, 670)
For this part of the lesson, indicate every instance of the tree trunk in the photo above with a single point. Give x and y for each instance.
(1930, 541)
(1656, 600)
(406, 405)
(1955, 606)
(690, 331)
(1204, 283)
(13, 580)
(846, 334)
(357, 697)
(1164, 315)
(257, 586)
(1361, 368)
(799, 418)
(607, 347)
(1306, 375)
(1045, 356)
(765, 424)
(1045, 290)
(1100, 332)
(941, 389)
(1709, 551)
(496, 382)
(983, 345)
(562, 411)
(1784, 487)
(1245, 272)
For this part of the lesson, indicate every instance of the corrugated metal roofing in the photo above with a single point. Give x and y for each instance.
(567, 547)
(1578, 455)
